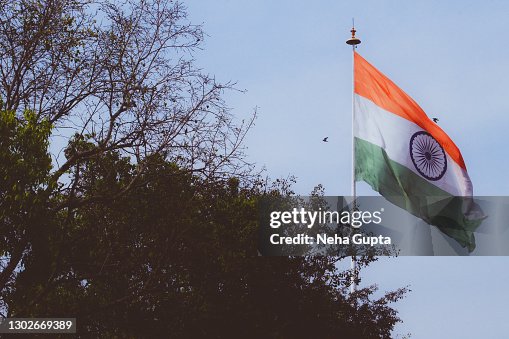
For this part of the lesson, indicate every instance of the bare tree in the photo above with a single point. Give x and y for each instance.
(122, 75)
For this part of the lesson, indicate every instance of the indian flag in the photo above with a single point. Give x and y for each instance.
(408, 158)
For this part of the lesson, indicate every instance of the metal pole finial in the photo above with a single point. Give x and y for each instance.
(353, 41)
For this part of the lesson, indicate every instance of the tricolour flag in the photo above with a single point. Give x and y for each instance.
(408, 158)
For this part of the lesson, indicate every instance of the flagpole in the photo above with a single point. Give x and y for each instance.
(353, 41)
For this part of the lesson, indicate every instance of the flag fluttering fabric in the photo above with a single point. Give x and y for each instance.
(408, 158)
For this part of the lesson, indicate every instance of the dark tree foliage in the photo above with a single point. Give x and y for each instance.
(145, 226)
(24, 175)
(177, 256)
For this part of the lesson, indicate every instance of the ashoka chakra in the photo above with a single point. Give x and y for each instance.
(428, 156)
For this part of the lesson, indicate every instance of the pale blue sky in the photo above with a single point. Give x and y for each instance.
(451, 57)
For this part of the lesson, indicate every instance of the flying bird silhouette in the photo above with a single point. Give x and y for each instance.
(435, 120)
(325, 139)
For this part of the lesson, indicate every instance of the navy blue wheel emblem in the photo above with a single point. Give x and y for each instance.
(428, 156)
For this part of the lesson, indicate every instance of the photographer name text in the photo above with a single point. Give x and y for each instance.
(326, 239)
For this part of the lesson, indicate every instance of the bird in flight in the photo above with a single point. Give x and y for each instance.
(325, 139)
(435, 120)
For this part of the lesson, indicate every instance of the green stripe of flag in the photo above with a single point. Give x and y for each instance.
(406, 189)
